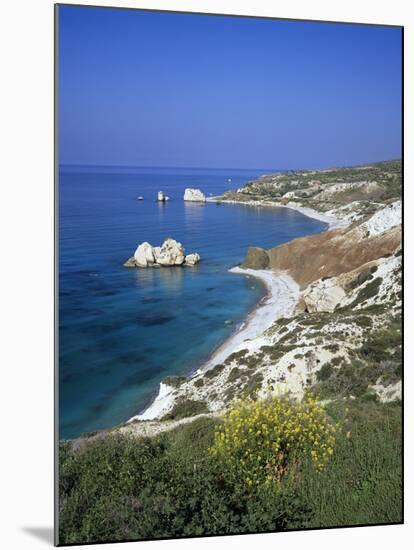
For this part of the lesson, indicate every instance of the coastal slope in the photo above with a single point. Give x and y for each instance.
(330, 326)
(343, 337)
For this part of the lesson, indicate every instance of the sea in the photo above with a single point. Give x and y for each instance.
(122, 330)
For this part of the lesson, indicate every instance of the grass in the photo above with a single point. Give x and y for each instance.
(362, 484)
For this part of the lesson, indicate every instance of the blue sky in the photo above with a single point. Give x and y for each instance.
(163, 89)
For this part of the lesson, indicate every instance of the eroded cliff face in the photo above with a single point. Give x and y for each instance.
(332, 253)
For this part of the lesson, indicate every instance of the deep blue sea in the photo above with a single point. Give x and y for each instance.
(121, 331)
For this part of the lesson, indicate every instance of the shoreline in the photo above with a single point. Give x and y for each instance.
(282, 291)
(279, 301)
(333, 223)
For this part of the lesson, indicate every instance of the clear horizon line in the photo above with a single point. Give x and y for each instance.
(274, 169)
(169, 166)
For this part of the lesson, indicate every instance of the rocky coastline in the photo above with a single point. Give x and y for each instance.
(348, 282)
(331, 319)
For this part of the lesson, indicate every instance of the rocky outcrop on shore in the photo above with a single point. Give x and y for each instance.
(194, 195)
(171, 253)
(257, 258)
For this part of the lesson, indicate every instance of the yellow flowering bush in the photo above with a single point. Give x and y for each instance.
(263, 441)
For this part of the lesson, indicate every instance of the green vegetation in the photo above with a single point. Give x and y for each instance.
(379, 358)
(310, 186)
(175, 381)
(253, 384)
(235, 356)
(368, 291)
(362, 482)
(120, 488)
(235, 373)
(124, 488)
(186, 408)
(325, 372)
(215, 371)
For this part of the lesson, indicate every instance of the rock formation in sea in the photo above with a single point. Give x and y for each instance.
(194, 195)
(171, 253)
(192, 259)
(162, 197)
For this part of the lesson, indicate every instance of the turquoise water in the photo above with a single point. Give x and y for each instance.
(121, 331)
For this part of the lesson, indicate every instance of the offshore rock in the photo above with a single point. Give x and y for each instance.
(194, 195)
(144, 255)
(192, 259)
(171, 253)
(130, 262)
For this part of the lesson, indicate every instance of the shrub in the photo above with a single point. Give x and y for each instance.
(368, 291)
(215, 371)
(336, 361)
(189, 407)
(253, 384)
(262, 442)
(362, 278)
(199, 382)
(325, 372)
(383, 344)
(363, 321)
(175, 381)
(332, 347)
(236, 355)
(349, 379)
(235, 373)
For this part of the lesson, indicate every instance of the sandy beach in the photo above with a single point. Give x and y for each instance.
(280, 301)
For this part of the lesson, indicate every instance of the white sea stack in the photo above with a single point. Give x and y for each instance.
(192, 259)
(144, 255)
(171, 253)
(194, 195)
(161, 196)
